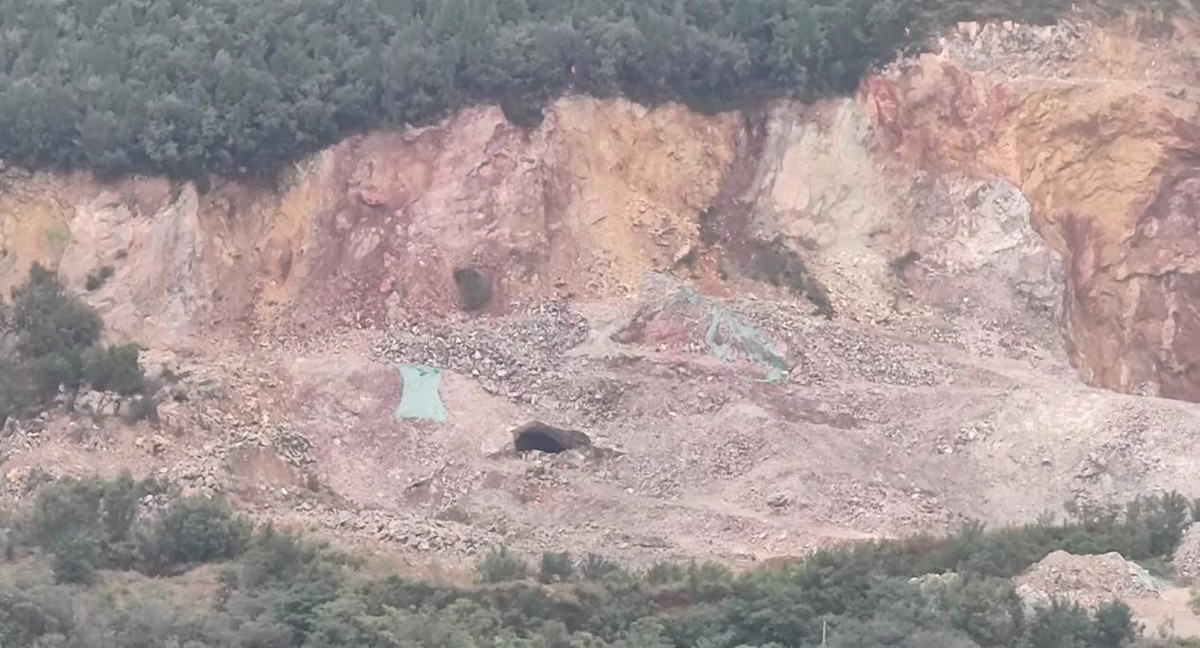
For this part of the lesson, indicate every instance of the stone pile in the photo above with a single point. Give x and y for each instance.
(1090, 581)
(408, 531)
(517, 358)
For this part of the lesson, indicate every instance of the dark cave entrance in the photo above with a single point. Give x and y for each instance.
(540, 437)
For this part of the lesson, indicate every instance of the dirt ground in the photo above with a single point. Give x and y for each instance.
(1169, 614)
(698, 447)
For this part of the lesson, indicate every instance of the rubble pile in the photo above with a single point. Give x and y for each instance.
(1089, 581)
(417, 533)
(207, 469)
(517, 357)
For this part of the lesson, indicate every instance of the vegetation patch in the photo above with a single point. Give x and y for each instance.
(83, 540)
(49, 343)
(98, 277)
(190, 88)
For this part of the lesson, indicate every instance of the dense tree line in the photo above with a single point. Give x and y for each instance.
(77, 563)
(196, 86)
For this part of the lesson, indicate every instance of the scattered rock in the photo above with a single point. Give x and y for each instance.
(514, 358)
(1187, 555)
(779, 500)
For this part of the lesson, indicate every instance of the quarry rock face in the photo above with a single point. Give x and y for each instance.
(746, 335)
(1104, 152)
(386, 226)
(1017, 174)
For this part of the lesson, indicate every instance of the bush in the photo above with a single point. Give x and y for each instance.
(64, 509)
(47, 343)
(280, 559)
(285, 590)
(556, 568)
(595, 567)
(74, 510)
(1114, 626)
(664, 573)
(74, 559)
(17, 391)
(196, 529)
(97, 278)
(24, 616)
(501, 565)
(116, 369)
(49, 322)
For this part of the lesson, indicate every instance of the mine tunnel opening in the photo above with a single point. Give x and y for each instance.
(474, 289)
(539, 437)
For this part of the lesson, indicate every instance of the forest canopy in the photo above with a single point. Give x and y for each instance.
(189, 87)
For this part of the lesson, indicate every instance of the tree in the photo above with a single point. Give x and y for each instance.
(1114, 626)
(500, 565)
(1059, 625)
(556, 567)
(74, 559)
(192, 88)
(196, 529)
(116, 369)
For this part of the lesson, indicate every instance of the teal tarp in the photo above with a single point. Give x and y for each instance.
(727, 334)
(420, 398)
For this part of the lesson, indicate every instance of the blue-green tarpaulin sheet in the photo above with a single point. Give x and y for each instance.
(727, 334)
(420, 398)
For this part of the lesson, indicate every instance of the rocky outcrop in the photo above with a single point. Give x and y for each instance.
(1019, 175)
(376, 229)
(1106, 164)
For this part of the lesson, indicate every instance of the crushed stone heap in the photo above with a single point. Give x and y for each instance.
(1089, 581)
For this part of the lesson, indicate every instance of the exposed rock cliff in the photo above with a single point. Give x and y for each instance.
(881, 296)
(930, 185)
(372, 230)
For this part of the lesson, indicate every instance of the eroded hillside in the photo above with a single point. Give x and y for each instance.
(865, 316)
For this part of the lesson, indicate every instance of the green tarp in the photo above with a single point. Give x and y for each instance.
(727, 335)
(420, 398)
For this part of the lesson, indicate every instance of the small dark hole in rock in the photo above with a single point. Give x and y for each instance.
(474, 289)
(544, 438)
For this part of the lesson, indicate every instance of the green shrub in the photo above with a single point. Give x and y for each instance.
(196, 529)
(501, 565)
(285, 590)
(595, 568)
(556, 567)
(53, 329)
(97, 278)
(116, 369)
(1114, 626)
(74, 559)
(47, 343)
(103, 512)
(68, 507)
(49, 321)
(1059, 625)
(279, 559)
(25, 616)
(17, 390)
